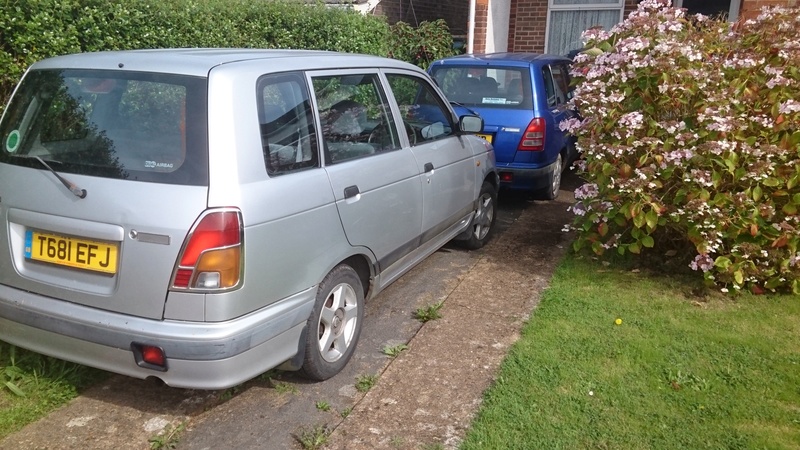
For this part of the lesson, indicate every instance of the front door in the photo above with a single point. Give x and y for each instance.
(446, 165)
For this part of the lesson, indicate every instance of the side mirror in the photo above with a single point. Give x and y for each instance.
(470, 124)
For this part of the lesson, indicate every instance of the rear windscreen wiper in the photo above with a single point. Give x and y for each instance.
(80, 193)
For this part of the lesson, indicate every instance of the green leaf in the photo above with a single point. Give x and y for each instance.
(757, 193)
(639, 220)
(602, 228)
(738, 276)
(648, 241)
(789, 209)
(15, 389)
(773, 283)
(722, 262)
(634, 248)
(652, 219)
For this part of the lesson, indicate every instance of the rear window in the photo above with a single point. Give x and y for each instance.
(123, 125)
(485, 86)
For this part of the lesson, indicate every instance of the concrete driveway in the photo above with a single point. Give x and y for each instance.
(425, 396)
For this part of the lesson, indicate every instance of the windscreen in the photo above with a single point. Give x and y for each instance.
(485, 85)
(124, 125)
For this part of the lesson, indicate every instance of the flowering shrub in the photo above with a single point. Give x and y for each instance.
(690, 133)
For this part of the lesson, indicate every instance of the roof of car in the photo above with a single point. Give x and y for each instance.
(502, 58)
(199, 61)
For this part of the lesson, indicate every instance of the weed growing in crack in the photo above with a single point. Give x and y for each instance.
(323, 406)
(365, 382)
(313, 438)
(282, 387)
(393, 351)
(430, 312)
(168, 439)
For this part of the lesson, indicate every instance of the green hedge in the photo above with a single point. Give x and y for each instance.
(31, 30)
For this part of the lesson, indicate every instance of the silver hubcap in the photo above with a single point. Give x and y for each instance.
(337, 322)
(483, 217)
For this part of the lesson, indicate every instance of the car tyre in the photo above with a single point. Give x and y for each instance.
(335, 324)
(551, 191)
(483, 222)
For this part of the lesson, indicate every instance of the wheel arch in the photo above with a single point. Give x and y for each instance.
(364, 268)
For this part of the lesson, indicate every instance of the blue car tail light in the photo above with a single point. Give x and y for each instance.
(534, 136)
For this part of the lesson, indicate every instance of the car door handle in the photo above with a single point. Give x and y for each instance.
(428, 167)
(351, 191)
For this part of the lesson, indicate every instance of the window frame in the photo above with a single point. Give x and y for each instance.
(733, 9)
(385, 100)
(589, 5)
(439, 97)
(312, 124)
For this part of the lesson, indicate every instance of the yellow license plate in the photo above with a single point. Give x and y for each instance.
(487, 137)
(71, 252)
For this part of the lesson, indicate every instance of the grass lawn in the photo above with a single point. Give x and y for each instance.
(681, 371)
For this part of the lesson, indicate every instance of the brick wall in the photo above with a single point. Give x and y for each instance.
(481, 18)
(751, 8)
(413, 12)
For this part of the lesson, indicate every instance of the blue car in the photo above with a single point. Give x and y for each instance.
(522, 98)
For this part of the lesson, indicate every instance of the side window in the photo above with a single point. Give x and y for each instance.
(560, 84)
(425, 116)
(549, 87)
(561, 80)
(287, 124)
(355, 116)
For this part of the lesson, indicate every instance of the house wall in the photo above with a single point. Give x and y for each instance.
(454, 12)
(751, 8)
(528, 24)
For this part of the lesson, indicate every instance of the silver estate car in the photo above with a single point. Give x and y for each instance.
(201, 216)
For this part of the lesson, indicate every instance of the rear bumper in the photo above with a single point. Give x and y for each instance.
(525, 178)
(199, 355)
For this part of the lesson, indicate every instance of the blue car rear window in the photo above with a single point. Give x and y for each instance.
(483, 85)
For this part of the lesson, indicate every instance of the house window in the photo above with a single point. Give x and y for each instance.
(714, 8)
(567, 19)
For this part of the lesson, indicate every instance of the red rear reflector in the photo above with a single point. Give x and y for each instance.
(506, 177)
(533, 138)
(153, 355)
(149, 357)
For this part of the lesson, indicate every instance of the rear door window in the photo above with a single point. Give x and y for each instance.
(355, 116)
(287, 124)
(556, 83)
(123, 125)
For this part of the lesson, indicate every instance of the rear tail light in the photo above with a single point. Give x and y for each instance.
(533, 138)
(211, 257)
